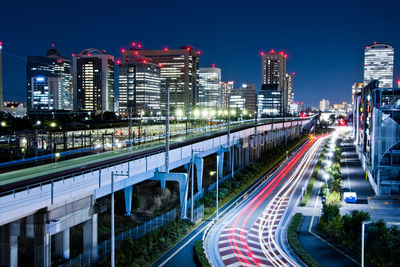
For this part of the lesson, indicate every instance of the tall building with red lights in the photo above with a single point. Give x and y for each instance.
(179, 69)
(274, 89)
(210, 87)
(93, 80)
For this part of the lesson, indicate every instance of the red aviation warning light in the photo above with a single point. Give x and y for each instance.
(133, 44)
(213, 65)
(123, 50)
(262, 53)
(118, 61)
(166, 49)
(53, 45)
(144, 61)
(198, 52)
(139, 46)
(281, 53)
(188, 48)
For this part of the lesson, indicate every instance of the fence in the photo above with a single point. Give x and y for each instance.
(198, 213)
(103, 249)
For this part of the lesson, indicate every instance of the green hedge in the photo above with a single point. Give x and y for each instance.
(199, 255)
(310, 186)
(295, 244)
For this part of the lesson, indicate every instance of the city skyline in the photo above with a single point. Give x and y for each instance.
(331, 43)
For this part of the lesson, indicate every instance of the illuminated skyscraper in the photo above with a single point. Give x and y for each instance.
(210, 87)
(290, 92)
(139, 88)
(49, 82)
(180, 69)
(226, 88)
(93, 81)
(274, 79)
(378, 64)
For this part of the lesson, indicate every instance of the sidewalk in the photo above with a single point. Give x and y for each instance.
(310, 241)
(353, 179)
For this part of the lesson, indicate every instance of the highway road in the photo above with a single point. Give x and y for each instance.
(253, 233)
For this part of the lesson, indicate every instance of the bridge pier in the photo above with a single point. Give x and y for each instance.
(42, 241)
(128, 193)
(199, 162)
(183, 181)
(9, 244)
(90, 236)
(62, 244)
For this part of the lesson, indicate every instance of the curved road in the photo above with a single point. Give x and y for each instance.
(247, 235)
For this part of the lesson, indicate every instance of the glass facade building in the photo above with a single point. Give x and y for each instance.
(378, 64)
(274, 75)
(226, 88)
(376, 126)
(49, 82)
(210, 87)
(93, 81)
(139, 88)
(179, 69)
(269, 101)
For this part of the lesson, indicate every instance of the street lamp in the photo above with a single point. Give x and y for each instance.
(362, 240)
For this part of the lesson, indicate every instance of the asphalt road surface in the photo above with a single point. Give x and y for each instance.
(251, 233)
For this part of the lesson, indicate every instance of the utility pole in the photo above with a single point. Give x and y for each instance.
(167, 131)
(112, 222)
(112, 216)
(130, 128)
(192, 197)
(217, 187)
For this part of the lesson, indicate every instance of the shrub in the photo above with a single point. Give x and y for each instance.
(295, 244)
(199, 255)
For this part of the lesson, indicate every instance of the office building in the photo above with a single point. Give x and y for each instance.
(237, 100)
(49, 82)
(210, 87)
(378, 64)
(179, 68)
(274, 78)
(226, 88)
(269, 102)
(289, 86)
(93, 81)
(250, 95)
(376, 125)
(324, 105)
(139, 88)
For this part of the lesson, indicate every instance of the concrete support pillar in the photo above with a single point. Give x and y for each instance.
(30, 226)
(62, 244)
(220, 159)
(42, 241)
(9, 244)
(240, 165)
(246, 155)
(183, 181)
(90, 236)
(228, 160)
(199, 162)
(128, 192)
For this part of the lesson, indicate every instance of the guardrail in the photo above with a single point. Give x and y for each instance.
(91, 170)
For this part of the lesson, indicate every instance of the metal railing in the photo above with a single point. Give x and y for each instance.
(62, 178)
(100, 252)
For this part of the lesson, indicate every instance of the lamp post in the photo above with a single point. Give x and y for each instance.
(216, 197)
(362, 240)
(112, 216)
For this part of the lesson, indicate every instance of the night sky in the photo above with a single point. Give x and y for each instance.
(325, 40)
